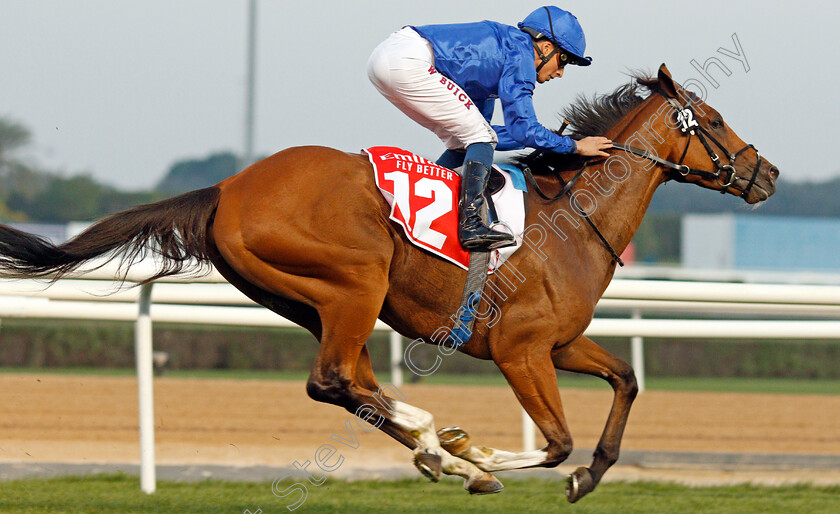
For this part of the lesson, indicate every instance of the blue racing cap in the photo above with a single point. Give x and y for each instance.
(561, 28)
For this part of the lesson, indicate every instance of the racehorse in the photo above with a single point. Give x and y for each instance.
(306, 233)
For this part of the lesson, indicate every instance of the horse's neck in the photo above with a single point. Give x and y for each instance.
(622, 189)
(623, 201)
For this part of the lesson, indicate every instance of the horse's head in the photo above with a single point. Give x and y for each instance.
(707, 151)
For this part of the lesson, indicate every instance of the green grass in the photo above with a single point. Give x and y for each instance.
(121, 494)
(689, 384)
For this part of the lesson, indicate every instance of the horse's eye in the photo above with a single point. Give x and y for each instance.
(716, 124)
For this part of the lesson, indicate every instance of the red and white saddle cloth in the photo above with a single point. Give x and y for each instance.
(424, 202)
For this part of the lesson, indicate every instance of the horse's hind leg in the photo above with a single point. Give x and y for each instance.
(364, 372)
(584, 356)
(342, 376)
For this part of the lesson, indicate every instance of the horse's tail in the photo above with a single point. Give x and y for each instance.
(174, 230)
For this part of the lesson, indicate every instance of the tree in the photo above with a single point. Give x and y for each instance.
(192, 174)
(64, 199)
(13, 135)
(15, 176)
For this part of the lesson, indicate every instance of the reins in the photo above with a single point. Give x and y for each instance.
(567, 190)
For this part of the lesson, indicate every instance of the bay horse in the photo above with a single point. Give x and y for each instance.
(306, 233)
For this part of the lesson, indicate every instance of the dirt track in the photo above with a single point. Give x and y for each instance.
(48, 418)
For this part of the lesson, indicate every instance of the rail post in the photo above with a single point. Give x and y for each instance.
(143, 349)
(529, 439)
(396, 359)
(638, 353)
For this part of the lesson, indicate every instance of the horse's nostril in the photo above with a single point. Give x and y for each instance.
(774, 172)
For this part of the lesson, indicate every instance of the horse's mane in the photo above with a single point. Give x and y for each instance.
(593, 116)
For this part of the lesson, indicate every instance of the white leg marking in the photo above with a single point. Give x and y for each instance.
(490, 459)
(421, 425)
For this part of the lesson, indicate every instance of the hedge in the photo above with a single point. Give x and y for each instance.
(38, 343)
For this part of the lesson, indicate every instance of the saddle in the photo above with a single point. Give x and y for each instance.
(495, 183)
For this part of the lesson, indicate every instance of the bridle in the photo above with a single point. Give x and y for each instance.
(724, 175)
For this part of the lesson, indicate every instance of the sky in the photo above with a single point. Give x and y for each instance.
(122, 89)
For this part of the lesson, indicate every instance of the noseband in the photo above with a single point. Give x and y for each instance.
(724, 175)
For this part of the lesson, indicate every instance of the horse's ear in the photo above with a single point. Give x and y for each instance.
(666, 83)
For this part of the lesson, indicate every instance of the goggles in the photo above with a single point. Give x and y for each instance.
(564, 58)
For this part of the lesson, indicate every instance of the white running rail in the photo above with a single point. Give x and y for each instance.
(210, 300)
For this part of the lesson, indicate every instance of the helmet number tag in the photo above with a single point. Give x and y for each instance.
(685, 117)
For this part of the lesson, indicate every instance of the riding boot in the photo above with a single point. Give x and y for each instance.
(472, 232)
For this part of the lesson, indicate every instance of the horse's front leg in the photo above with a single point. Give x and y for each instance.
(584, 356)
(530, 373)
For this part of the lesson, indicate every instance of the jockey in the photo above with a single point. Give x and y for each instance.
(447, 78)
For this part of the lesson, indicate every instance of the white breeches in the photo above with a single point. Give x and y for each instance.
(403, 69)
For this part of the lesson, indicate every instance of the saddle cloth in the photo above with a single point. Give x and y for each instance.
(424, 202)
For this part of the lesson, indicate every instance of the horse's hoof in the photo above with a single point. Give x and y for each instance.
(454, 440)
(485, 484)
(429, 464)
(579, 484)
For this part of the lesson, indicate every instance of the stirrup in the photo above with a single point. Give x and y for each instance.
(489, 241)
(502, 244)
(506, 242)
(508, 228)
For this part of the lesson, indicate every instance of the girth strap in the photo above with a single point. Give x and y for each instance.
(464, 318)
